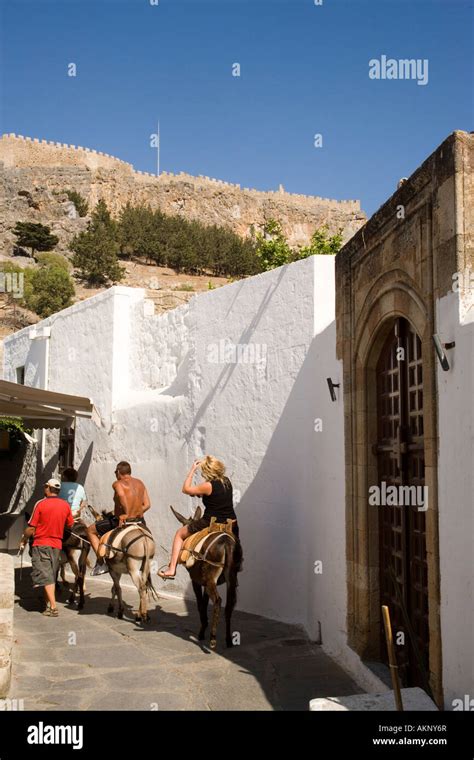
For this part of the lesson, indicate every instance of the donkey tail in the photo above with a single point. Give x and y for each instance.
(145, 570)
(151, 589)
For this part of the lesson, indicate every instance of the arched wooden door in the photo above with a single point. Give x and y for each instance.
(402, 528)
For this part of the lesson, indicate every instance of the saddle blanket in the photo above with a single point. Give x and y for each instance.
(111, 540)
(194, 543)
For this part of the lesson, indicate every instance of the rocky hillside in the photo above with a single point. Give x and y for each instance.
(34, 176)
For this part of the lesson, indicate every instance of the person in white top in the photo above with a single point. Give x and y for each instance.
(72, 491)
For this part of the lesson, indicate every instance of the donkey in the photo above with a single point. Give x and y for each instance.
(75, 539)
(70, 544)
(223, 562)
(132, 550)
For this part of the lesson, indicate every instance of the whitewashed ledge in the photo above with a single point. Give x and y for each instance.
(413, 699)
(7, 591)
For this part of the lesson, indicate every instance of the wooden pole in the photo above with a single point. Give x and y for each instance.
(391, 658)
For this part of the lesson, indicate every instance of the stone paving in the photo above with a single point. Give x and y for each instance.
(90, 660)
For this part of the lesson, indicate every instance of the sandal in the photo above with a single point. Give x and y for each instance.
(165, 577)
(51, 612)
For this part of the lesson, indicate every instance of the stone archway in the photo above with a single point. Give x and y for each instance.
(386, 302)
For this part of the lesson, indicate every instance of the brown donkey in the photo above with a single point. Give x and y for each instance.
(223, 560)
(75, 539)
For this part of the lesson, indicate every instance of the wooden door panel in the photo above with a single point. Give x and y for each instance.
(402, 529)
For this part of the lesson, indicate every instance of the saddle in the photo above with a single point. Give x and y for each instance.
(192, 546)
(108, 545)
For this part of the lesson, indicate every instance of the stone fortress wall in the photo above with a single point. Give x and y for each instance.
(97, 175)
(28, 152)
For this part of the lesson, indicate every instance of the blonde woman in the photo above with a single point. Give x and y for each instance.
(216, 494)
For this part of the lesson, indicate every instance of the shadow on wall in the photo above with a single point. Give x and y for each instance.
(22, 466)
(292, 513)
(83, 468)
(33, 377)
(17, 477)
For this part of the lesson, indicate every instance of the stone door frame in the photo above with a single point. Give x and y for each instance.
(393, 295)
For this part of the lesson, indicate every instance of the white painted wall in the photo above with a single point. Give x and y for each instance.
(456, 489)
(164, 401)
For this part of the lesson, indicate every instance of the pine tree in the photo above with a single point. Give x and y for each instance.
(36, 236)
(95, 251)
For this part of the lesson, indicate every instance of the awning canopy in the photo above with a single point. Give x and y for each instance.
(44, 409)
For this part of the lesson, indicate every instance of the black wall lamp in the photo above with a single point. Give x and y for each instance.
(331, 387)
(440, 349)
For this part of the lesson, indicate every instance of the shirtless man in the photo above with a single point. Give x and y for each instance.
(131, 500)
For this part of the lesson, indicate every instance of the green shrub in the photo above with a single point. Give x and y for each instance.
(47, 290)
(273, 249)
(15, 427)
(54, 260)
(322, 244)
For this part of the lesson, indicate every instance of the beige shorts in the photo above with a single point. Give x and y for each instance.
(44, 565)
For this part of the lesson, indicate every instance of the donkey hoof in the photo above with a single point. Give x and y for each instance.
(80, 606)
(120, 615)
(110, 609)
(213, 643)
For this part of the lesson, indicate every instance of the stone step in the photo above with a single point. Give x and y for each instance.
(412, 699)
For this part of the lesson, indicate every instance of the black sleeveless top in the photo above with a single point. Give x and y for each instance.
(219, 503)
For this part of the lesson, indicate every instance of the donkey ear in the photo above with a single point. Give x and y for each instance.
(183, 520)
(198, 514)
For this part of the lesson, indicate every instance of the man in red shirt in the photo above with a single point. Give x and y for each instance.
(47, 523)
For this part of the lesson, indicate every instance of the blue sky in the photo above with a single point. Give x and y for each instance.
(304, 70)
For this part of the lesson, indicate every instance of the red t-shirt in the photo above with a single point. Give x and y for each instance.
(49, 517)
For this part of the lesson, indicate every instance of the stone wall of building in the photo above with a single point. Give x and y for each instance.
(404, 264)
(39, 166)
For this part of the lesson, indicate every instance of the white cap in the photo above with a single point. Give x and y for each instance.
(53, 482)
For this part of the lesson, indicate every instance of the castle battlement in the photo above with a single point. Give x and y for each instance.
(18, 151)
